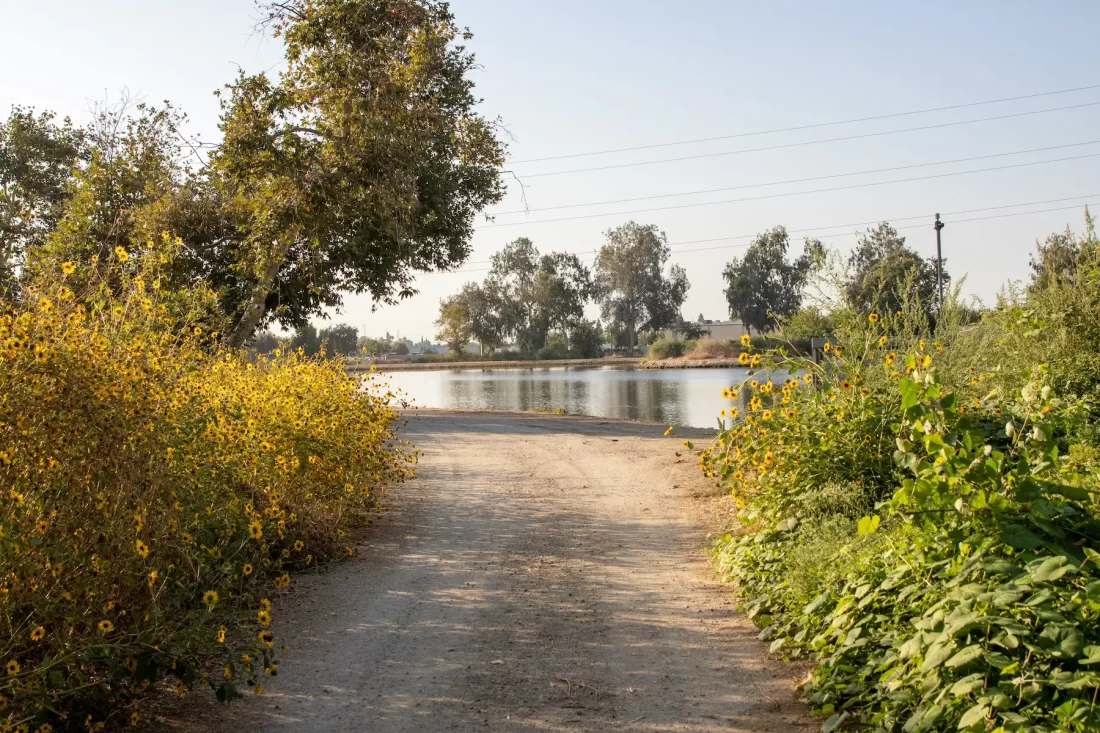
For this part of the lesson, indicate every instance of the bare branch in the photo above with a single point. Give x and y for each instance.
(522, 190)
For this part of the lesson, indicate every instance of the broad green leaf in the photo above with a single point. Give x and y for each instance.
(1051, 568)
(973, 716)
(908, 393)
(964, 656)
(1062, 640)
(816, 603)
(937, 654)
(868, 525)
(1020, 537)
(832, 722)
(968, 684)
(999, 566)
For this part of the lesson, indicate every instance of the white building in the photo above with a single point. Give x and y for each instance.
(718, 330)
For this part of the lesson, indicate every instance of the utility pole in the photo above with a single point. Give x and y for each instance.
(939, 225)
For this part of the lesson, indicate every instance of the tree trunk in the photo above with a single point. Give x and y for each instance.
(631, 335)
(254, 311)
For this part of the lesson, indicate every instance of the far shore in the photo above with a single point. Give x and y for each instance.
(682, 363)
(362, 365)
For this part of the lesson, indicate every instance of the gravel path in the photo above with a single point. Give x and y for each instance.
(543, 573)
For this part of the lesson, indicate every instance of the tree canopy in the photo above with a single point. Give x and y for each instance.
(762, 288)
(884, 274)
(340, 339)
(534, 293)
(37, 156)
(362, 164)
(633, 288)
(454, 324)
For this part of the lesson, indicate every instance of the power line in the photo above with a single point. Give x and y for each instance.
(810, 142)
(819, 228)
(789, 193)
(796, 180)
(804, 127)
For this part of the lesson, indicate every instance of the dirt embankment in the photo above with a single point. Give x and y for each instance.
(542, 573)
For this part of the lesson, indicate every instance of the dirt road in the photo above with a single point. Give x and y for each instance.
(543, 573)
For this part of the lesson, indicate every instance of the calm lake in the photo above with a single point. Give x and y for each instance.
(688, 397)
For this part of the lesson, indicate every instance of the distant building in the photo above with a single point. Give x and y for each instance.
(719, 330)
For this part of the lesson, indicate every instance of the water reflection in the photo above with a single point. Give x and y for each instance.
(690, 397)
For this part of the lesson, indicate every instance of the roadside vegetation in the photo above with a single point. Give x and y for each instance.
(159, 483)
(158, 490)
(919, 510)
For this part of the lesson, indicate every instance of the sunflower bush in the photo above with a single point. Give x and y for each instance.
(156, 490)
(919, 519)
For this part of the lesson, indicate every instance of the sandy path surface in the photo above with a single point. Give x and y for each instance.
(543, 573)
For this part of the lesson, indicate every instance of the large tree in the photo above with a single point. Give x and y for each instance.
(364, 163)
(884, 274)
(454, 324)
(482, 312)
(763, 287)
(340, 339)
(1057, 260)
(37, 157)
(635, 292)
(534, 292)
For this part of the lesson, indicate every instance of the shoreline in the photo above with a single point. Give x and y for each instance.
(681, 431)
(614, 361)
(681, 363)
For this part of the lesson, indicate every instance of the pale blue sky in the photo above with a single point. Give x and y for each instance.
(572, 76)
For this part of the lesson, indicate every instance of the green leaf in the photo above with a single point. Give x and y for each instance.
(816, 603)
(968, 684)
(1070, 492)
(832, 722)
(999, 566)
(1051, 568)
(1020, 537)
(964, 656)
(226, 692)
(973, 716)
(938, 653)
(868, 525)
(908, 393)
(1062, 640)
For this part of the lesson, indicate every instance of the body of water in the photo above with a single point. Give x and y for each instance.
(689, 397)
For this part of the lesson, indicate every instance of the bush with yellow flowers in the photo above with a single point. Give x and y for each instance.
(156, 491)
(920, 520)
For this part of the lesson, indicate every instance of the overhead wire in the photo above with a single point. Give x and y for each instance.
(785, 194)
(811, 126)
(794, 180)
(589, 255)
(806, 143)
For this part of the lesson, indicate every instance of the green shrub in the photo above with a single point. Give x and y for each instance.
(807, 323)
(664, 348)
(921, 522)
